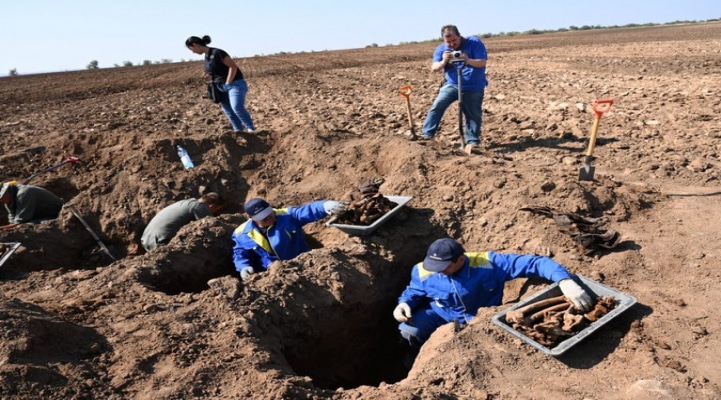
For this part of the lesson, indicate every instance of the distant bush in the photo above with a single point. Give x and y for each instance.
(94, 64)
(533, 32)
(575, 28)
(13, 72)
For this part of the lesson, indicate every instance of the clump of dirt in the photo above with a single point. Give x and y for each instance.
(179, 323)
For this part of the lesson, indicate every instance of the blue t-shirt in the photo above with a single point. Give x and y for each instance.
(472, 78)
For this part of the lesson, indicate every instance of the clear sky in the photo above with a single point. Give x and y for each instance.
(64, 35)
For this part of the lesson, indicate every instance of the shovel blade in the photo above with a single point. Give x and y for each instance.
(413, 136)
(586, 172)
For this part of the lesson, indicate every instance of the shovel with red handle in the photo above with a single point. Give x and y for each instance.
(587, 170)
(48, 169)
(406, 92)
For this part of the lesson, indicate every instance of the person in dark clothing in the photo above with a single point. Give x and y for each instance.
(169, 220)
(27, 204)
(226, 74)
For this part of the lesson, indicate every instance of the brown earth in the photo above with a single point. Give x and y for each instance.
(178, 322)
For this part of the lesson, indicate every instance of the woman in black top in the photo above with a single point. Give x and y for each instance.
(229, 78)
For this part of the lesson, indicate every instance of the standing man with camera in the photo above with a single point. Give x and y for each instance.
(464, 57)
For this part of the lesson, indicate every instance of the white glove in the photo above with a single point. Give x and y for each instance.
(246, 272)
(575, 294)
(402, 312)
(335, 207)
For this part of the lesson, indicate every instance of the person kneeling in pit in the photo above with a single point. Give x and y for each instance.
(275, 234)
(28, 204)
(166, 224)
(451, 285)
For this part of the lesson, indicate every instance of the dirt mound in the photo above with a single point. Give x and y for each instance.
(178, 322)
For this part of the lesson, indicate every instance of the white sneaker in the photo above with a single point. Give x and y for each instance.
(250, 130)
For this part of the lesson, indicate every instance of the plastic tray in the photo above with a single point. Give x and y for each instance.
(13, 246)
(363, 230)
(622, 300)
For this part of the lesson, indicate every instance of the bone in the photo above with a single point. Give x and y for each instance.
(518, 315)
(546, 312)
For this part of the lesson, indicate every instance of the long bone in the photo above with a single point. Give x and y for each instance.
(518, 315)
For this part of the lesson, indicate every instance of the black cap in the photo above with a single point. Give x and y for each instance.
(441, 253)
(258, 209)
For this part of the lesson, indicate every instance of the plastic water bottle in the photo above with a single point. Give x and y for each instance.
(184, 157)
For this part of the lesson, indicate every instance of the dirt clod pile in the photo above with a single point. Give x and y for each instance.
(178, 323)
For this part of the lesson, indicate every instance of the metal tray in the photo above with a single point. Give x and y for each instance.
(363, 230)
(623, 302)
(12, 247)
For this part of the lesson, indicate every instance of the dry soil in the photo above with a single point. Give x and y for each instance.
(178, 323)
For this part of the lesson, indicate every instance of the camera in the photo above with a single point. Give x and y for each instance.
(456, 57)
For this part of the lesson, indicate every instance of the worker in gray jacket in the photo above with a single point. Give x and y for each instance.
(169, 220)
(27, 204)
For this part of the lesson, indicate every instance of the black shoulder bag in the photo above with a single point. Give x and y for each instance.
(214, 92)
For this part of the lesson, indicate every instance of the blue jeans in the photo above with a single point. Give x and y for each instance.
(234, 107)
(472, 103)
(423, 323)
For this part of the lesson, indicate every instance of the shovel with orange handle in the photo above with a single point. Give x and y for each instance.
(51, 168)
(587, 170)
(406, 92)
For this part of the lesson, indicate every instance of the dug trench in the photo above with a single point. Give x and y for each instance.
(321, 321)
(324, 315)
(326, 312)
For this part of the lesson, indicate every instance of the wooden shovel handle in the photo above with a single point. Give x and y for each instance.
(592, 140)
(406, 92)
(599, 107)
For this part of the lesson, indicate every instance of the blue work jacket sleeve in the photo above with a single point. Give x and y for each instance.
(245, 251)
(528, 265)
(307, 213)
(415, 294)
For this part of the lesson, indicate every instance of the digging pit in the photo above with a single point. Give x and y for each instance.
(330, 316)
(327, 313)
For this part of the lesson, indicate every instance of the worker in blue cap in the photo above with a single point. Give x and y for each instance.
(276, 234)
(452, 284)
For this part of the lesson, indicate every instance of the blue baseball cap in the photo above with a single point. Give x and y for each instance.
(441, 253)
(258, 209)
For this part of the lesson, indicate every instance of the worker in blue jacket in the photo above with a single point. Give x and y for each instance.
(275, 234)
(451, 284)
